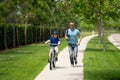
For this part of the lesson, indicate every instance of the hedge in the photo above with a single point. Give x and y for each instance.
(35, 34)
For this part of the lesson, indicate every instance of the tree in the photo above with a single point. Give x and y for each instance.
(5, 10)
(96, 12)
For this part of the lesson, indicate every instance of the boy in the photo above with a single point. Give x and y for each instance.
(54, 42)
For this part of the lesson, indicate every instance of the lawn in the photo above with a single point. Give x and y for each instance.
(25, 63)
(100, 65)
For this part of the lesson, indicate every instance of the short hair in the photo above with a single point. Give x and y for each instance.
(71, 23)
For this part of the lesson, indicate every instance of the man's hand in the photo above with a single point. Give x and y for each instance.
(67, 38)
(78, 44)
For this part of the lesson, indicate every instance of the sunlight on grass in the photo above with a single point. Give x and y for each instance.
(100, 65)
(25, 63)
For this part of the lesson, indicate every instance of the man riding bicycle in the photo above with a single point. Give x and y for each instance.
(54, 42)
(72, 35)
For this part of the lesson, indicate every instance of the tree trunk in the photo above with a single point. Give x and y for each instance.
(32, 34)
(40, 34)
(43, 34)
(101, 31)
(14, 41)
(102, 34)
(17, 37)
(25, 33)
(36, 35)
(50, 31)
(99, 27)
(5, 38)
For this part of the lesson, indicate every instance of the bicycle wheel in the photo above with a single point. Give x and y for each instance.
(54, 59)
(50, 66)
(51, 61)
(54, 64)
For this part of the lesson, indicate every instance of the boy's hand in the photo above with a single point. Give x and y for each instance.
(46, 43)
(59, 43)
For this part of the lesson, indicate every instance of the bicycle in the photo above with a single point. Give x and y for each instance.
(51, 59)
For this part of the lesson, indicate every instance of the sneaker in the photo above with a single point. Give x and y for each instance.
(56, 59)
(48, 60)
(75, 61)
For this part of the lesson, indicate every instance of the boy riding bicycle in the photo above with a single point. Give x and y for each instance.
(54, 42)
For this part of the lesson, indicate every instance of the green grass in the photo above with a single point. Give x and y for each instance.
(85, 33)
(100, 65)
(25, 63)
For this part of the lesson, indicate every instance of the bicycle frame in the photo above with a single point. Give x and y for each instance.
(52, 59)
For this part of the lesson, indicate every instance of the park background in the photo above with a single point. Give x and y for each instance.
(25, 25)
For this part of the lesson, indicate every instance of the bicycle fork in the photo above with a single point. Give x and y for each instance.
(52, 60)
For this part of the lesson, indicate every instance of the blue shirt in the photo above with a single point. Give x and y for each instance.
(54, 41)
(73, 36)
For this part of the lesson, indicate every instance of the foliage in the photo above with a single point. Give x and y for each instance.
(88, 10)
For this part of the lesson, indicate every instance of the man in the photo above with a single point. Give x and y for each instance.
(72, 34)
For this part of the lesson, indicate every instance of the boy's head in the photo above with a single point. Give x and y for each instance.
(55, 34)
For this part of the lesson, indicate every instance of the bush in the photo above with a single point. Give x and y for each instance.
(34, 34)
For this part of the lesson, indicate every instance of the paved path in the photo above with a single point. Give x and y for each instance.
(63, 70)
(115, 40)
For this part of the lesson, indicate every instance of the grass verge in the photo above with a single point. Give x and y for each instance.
(100, 65)
(25, 63)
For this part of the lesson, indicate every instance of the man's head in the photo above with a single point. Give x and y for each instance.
(72, 25)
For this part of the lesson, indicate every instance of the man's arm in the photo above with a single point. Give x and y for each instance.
(80, 38)
(66, 37)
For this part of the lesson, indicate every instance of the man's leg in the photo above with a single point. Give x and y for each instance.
(75, 54)
(71, 55)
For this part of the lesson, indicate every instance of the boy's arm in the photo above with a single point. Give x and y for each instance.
(48, 41)
(58, 42)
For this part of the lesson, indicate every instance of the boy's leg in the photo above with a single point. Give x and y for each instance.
(56, 53)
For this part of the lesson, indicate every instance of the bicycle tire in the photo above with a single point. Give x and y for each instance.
(50, 63)
(50, 66)
(54, 64)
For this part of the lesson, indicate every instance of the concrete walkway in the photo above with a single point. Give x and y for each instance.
(63, 70)
(115, 40)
